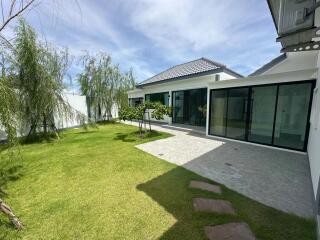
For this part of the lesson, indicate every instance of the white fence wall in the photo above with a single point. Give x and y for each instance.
(78, 103)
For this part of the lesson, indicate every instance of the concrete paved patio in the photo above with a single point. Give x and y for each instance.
(277, 178)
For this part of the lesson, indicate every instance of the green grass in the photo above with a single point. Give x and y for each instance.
(97, 185)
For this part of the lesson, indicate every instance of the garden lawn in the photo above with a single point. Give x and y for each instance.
(96, 185)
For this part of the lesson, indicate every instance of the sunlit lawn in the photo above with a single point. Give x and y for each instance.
(96, 185)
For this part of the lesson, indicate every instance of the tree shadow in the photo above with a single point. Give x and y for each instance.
(224, 164)
(171, 190)
(84, 132)
(135, 136)
(9, 174)
(124, 137)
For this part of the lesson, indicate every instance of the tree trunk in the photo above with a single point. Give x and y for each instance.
(54, 129)
(140, 127)
(32, 129)
(149, 121)
(12, 217)
(45, 128)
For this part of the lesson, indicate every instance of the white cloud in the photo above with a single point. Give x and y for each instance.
(198, 24)
(152, 35)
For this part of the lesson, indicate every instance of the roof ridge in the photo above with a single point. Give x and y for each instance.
(219, 65)
(213, 62)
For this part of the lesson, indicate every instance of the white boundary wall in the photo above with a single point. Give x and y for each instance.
(76, 101)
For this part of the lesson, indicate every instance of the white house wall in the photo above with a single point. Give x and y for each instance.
(183, 84)
(268, 79)
(314, 137)
(295, 61)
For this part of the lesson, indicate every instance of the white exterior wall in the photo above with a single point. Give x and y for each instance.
(297, 67)
(314, 136)
(295, 61)
(78, 103)
(190, 83)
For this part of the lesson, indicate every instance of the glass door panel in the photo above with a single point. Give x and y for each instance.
(189, 107)
(292, 115)
(237, 113)
(178, 109)
(218, 112)
(263, 102)
(197, 107)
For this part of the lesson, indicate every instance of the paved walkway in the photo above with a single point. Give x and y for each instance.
(273, 177)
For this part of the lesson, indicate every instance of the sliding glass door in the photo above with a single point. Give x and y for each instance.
(178, 106)
(262, 110)
(274, 114)
(218, 112)
(237, 113)
(292, 115)
(189, 107)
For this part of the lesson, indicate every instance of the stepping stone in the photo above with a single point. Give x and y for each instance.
(205, 186)
(211, 205)
(230, 231)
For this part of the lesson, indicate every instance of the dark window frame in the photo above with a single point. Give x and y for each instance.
(183, 90)
(136, 98)
(158, 93)
(313, 84)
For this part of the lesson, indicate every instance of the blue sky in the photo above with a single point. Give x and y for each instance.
(153, 35)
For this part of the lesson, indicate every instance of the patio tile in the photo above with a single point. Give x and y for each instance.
(205, 186)
(211, 205)
(269, 176)
(230, 231)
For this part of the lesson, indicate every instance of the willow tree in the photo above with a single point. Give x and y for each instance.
(104, 85)
(39, 82)
(8, 124)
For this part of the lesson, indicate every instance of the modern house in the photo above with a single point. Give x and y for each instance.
(185, 88)
(271, 106)
(277, 106)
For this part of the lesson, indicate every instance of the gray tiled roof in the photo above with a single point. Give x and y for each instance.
(269, 65)
(195, 67)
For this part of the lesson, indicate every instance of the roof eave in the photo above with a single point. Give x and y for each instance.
(269, 65)
(232, 73)
(218, 70)
(272, 15)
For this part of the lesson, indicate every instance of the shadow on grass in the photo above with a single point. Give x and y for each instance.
(107, 122)
(134, 136)
(84, 132)
(124, 137)
(8, 174)
(171, 191)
